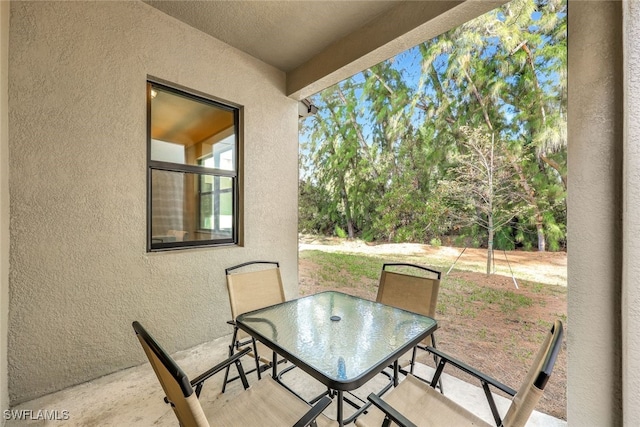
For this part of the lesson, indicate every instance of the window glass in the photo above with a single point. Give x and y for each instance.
(204, 213)
(216, 204)
(185, 130)
(192, 170)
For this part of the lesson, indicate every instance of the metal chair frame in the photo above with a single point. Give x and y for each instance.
(430, 312)
(237, 345)
(540, 379)
(186, 386)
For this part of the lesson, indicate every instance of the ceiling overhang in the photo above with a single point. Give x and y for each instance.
(319, 43)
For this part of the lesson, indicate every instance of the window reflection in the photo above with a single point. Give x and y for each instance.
(192, 159)
(180, 207)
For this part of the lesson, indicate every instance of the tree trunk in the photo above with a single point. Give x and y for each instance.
(350, 229)
(530, 197)
(347, 212)
(542, 241)
(490, 245)
(490, 213)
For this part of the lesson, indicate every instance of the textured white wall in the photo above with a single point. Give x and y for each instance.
(79, 272)
(4, 201)
(595, 126)
(631, 215)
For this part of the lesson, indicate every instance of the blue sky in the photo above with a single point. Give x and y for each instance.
(409, 63)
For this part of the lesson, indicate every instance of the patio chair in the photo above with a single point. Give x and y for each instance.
(415, 293)
(249, 290)
(264, 403)
(414, 403)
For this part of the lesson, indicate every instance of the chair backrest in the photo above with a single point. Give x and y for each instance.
(174, 381)
(531, 389)
(254, 289)
(418, 294)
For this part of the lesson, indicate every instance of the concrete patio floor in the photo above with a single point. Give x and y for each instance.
(133, 397)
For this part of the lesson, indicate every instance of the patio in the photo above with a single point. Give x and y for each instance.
(74, 269)
(133, 397)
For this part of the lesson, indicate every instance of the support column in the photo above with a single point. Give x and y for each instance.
(595, 144)
(631, 219)
(4, 202)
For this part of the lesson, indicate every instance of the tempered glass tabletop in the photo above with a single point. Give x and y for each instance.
(340, 339)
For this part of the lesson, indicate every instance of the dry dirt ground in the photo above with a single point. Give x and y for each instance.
(499, 342)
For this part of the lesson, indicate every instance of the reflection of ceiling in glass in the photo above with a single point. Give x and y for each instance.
(185, 121)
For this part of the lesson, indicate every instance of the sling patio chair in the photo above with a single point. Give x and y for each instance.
(251, 288)
(415, 403)
(417, 292)
(264, 403)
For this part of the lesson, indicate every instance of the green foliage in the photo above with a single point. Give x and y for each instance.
(313, 215)
(469, 237)
(503, 240)
(435, 242)
(525, 238)
(368, 235)
(376, 157)
(340, 232)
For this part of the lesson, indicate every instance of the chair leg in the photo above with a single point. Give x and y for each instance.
(231, 348)
(256, 357)
(435, 359)
(226, 371)
(241, 374)
(413, 358)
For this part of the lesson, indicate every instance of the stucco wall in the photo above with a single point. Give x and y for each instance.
(631, 212)
(79, 270)
(595, 146)
(4, 201)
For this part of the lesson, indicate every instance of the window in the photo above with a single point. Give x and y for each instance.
(193, 170)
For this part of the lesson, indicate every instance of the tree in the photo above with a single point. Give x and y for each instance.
(481, 190)
(490, 70)
(313, 217)
(343, 164)
(385, 138)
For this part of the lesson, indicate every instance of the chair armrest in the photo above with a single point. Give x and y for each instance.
(197, 381)
(445, 358)
(313, 413)
(390, 411)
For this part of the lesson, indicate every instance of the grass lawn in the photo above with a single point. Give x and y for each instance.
(483, 319)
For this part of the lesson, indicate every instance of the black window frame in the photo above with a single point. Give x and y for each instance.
(193, 169)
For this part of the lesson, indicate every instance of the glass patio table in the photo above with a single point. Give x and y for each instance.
(341, 340)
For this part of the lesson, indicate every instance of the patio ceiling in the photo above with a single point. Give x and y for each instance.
(319, 43)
